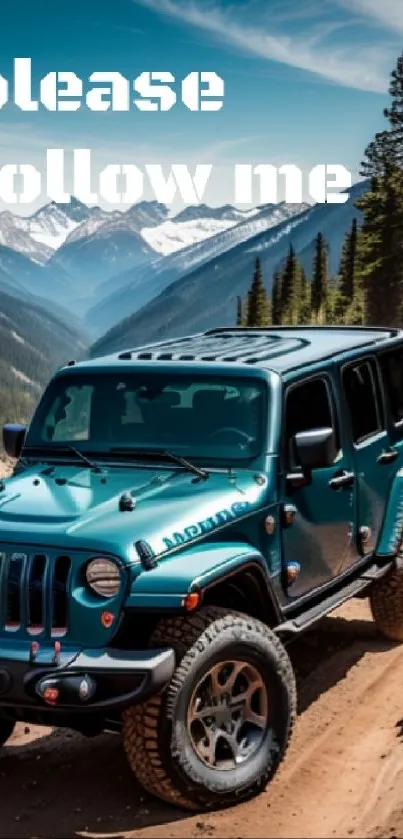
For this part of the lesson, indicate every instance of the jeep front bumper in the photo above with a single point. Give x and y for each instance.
(83, 680)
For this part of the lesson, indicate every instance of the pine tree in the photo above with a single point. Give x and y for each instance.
(291, 281)
(276, 313)
(332, 313)
(380, 244)
(348, 265)
(305, 314)
(319, 286)
(394, 114)
(345, 291)
(239, 311)
(258, 300)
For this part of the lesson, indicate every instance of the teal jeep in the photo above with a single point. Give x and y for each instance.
(177, 515)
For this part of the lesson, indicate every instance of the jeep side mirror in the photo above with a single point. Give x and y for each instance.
(13, 439)
(316, 449)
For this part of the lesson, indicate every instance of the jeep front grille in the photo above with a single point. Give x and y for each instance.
(34, 593)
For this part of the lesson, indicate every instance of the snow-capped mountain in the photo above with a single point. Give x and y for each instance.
(53, 223)
(147, 214)
(39, 235)
(15, 233)
(192, 225)
(172, 236)
(134, 288)
(90, 226)
(57, 225)
(140, 216)
(225, 213)
(205, 297)
(100, 248)
(81, 247)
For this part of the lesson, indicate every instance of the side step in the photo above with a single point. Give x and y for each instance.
(295, 626)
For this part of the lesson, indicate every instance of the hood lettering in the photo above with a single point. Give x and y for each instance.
(236, 510)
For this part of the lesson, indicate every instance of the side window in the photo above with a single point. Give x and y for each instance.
(361, 390)
(308, 406)
(391, 365)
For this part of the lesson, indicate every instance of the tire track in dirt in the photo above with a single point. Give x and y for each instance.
(343, 773)
(342, 776)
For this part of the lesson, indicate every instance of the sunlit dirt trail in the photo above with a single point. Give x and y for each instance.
(343, 775)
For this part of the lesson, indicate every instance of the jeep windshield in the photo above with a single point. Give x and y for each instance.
(114, 415)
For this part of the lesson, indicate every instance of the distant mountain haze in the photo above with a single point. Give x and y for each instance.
(205, 297)
(71, 274)
(134, 288)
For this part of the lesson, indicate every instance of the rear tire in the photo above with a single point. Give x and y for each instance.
(386, 600)
(6, 730)
(227, 660)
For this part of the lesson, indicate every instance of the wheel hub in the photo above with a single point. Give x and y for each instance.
(228, 714)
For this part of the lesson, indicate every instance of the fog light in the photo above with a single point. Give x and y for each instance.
(86, 689)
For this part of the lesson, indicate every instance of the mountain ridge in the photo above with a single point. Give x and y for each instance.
(199, 301)
(135, 288)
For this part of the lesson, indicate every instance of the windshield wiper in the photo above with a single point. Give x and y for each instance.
(66, 448)
(152, 453)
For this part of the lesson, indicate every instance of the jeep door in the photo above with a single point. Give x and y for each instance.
(391, 367)
(375, 457)
(319, 539)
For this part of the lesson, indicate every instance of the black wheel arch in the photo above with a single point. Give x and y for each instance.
(247, 589)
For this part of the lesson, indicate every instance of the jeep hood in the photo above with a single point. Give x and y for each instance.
(71, 507)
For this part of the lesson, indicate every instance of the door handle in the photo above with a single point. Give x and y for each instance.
(342, 480)
(388, 456)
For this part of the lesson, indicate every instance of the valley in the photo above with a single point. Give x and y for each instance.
(76, 279)
(204, 295)
(33, 342)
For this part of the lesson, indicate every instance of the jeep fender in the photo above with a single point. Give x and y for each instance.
(391, 533)
(198, 569)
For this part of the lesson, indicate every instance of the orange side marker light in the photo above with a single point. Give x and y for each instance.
(191, 601)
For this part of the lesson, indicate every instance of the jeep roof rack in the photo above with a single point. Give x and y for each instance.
(247, 348)
(278, 348)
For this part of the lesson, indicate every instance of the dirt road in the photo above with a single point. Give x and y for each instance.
(343, 775)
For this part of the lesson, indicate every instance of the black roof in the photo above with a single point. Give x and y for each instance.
(283, 348)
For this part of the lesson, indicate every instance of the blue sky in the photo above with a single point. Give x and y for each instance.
(305, 81)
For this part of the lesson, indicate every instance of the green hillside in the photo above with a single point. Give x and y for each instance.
(33, 343)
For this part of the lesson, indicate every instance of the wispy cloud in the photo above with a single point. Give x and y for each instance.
(388, 13)
(358, 64)
(20, 143)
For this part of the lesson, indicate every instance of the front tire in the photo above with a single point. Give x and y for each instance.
(221, 728)
(6, 730)
(386, 600)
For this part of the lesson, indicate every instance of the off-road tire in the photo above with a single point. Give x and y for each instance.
(386, 599)
(155, 734)
(6, 730)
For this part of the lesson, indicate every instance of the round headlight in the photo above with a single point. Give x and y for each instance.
(103, 576)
